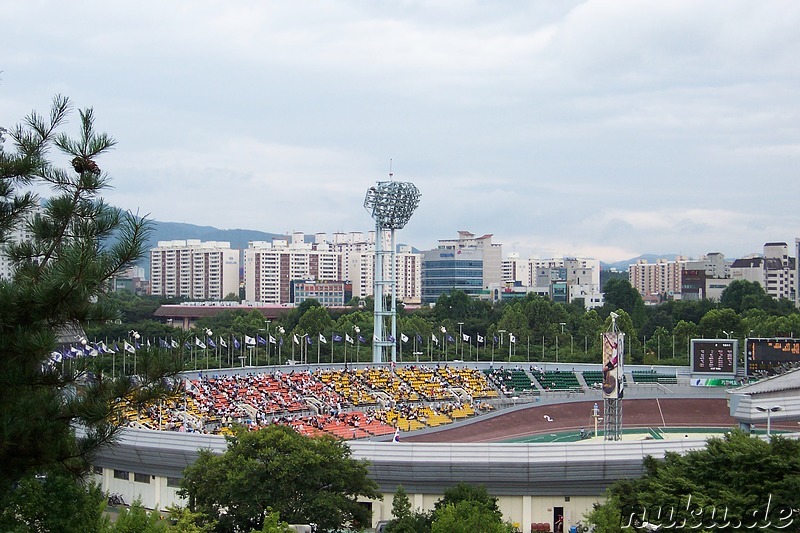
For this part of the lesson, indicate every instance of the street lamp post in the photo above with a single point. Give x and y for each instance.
(500, 331)
(562, 324)
(769, 411)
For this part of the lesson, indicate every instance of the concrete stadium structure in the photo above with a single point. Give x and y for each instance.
(534, 483)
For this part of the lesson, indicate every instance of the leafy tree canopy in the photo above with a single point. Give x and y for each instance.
(305, 480)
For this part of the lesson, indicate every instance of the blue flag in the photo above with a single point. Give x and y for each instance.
(391, 338)
(236, 343)
(450, 338)
(495, 339)
(336, 338)
(260, 340)
(308, 339)
(361, 339)
(210, 343)
(419, 338)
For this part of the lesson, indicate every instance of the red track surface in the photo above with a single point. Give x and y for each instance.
(663, 412)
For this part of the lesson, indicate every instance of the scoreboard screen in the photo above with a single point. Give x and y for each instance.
(714, 356)
(766, 357)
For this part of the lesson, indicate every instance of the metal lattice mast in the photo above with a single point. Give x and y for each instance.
(613, 380)
(391, 204)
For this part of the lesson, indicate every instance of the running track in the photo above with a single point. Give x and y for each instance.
(669, 412)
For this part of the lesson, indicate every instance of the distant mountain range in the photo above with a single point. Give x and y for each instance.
(623, 265)
(239, 238)
(171, 231)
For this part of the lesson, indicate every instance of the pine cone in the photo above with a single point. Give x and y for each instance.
(84, 164)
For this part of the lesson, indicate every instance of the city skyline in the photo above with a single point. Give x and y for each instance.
(594, 129)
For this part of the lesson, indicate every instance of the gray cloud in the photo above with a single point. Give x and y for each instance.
(594, 128)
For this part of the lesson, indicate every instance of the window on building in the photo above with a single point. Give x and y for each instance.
(122, 474)
(141, 478)
(173, 482)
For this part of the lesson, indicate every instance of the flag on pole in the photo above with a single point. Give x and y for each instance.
(348, 338)
(465, 337)
(396, 437)
(261, 340)
(375, 338)
(391, 338)
(128, 347)
(450, 338)
(495, 339)
(211, 343)
(295, 339)
(162, 343)
(272, 340)
(200, 344)
(322, 339)
(308, 339)
(419, 338)
(480, 339)
(174, 343)
(249, 341)
(236, 343)
(511, 338)
(222, 343)
(337, 338)
(361, 339)
(403, 337)
(434, 339)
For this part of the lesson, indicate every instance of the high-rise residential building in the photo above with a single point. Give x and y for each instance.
(657, 281)
(270, 267)
(514, 270)
(469, 263)
(194, 269)
(775, 271)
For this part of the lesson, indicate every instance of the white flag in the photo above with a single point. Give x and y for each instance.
(403, 337)
(434, 339)
(223, 343)
(295, 339)
(272, 340)
(199, 343)
(375, 338)
(396, 437)
(322, 339)
(128, 347)
(465, 337)
(512, 338)
(348, 338)
(249, 340)
(480, 339)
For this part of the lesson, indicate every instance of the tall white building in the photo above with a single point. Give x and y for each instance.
(194, 269)
(657, 281)
(775, 271)
(514, 270)
(568, 278)
(271, 267)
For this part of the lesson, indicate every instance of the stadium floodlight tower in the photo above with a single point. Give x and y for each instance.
(391, 204)
(613, 380)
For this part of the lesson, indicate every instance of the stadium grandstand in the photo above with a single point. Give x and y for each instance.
(513, 429)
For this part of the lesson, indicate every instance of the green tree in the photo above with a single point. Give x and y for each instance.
(53, 501)
(137, 519)
(738, 480)
(742, 295)
(62, 275)
(619, 294)
(305, 480)
(468, 517)
(405, 520)
(471, 493)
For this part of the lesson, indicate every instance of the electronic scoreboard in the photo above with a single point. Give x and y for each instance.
(714, 356)
(765, 357)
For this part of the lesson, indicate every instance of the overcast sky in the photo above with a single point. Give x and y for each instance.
(601, 129)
